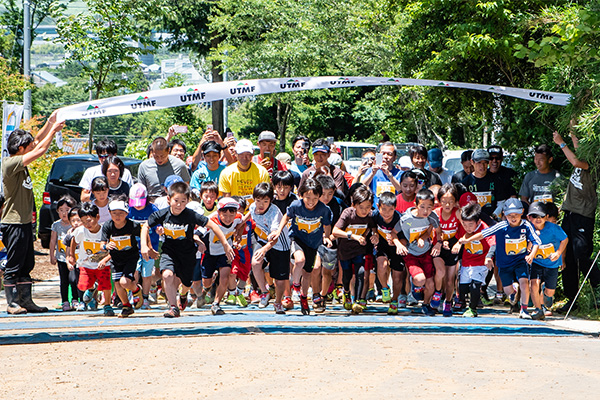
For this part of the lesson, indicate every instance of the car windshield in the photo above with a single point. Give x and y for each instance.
(65, 171)
(355, 153)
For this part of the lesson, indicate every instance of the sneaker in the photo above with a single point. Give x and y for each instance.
(272, 291)
(231, 299)
(146, 305)
(295, 294)
(108, 311)
(81, 307)
(435, 299)
(304, 305)
(160, 295)
(362, 303)
(287, 303)
(418, 293)
(87, 296)
(538, 315)
(499, 299)
(279, 308)
(93, 305)
(347, 301)
(173, 312)
(338, 294)
(319, 306)
(458, 306)
(427, 310)
(241, 300)
(512, 298)
(402, 301)
(138, 298)
(524, 314)
(215, 309)
(484, 293)
(182, 302)
(547, 312)
(200, 301)
(357, 308)
(66, 306)
(470, 313)
(393, 308)
(254, 297)
(385, 295)
(264, 300)
(410, 300)
(371, 295)
(126, 312)
(447, 309)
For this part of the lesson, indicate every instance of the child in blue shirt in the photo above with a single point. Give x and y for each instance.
(512, 236)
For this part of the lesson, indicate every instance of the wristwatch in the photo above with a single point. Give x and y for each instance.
(349, 235)
(563, 145)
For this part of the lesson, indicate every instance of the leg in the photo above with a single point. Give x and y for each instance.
(535, 293)
(450, 279)
(223, 280)
(259, 274)
(440, 273)
(170, 284)
(325, 281)
(63, 272)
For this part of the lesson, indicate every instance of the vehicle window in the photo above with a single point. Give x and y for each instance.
(453, 164)
(68, 172)
(355, 153)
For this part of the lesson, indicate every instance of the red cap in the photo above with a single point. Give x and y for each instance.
(466, 198)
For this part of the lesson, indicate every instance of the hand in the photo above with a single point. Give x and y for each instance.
(52, 260)
(554, 256)
(153, 254)
(258, 256)
(384, 168)
(273, 236)
(201, 246)
(266, 162)
(111, 246)
(557, 138)
(52, 117)
(327, 242)
(71, 260)
(489, 264)
(375, 239)
(563, 266)
(58, 126)
(145, 251)
(463, 240)
(456, 248)
(401, 250)
(377, 168)
(575, 140)
(360, 239)
(160, 231)
(70, 266)
(529, 258)
(229, 252)
(435, 251)
(101, 264)
(389, 239)
(420, 242)
(229, 142)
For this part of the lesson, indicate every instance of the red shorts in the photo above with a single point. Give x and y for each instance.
(369, 264)
(240, 269)
(422, 264)
(87, 278)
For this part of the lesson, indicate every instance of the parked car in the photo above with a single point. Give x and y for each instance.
(64, 178)
(351, 153)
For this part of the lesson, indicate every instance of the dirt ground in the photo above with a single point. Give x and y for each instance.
(308, 366)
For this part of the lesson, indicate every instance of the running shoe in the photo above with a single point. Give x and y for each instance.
(363, 303)
(304, 305)
(515, 308)
(538, 315)
(512, 298)
(264, 300)
(173, 312)
(427, 310)
(347, 301)
(146, 305)
(231, 299)
(435, 299)
(393, 308)
(338, 294)
(371, 295)
(402, 301)
(447, 309)
(138, 298)
(547, 311)
(66, 306)
(81, 307)
(319, 306)
(87, 296)
(385, 295)
(287, 303)
(357, 308)
(418, 293)
(484, 293)
(215, 309)
(499, 298)
(523, 314)
(108, 311)
(241, 300)
(160, 295)
(254, 297)
(295, 293)
(279, 308)
(182, 301)
(93, 305)
(126, 312)
(470, 313)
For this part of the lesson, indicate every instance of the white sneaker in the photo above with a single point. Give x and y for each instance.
(295, 295)
(524, 314)
(264, 300)
(146, 305)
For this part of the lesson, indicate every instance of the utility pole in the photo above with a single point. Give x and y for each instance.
(26, 58)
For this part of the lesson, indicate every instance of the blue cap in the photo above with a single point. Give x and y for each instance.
(435, 157)
(512, 206)
(171, 179)
(322, 148)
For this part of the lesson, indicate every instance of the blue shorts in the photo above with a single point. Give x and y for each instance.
(508, 275)
(144, 267)
(210, 264)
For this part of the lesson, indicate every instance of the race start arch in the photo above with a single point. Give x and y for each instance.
(186, 95)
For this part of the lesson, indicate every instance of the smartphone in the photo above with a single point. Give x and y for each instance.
(378, 159)
(330, 140)
(267, 154)
(209, 127)
(181, 129)
(229, 134)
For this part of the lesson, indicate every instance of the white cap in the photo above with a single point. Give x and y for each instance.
(244, 146)
(405, 162)
(118, 205)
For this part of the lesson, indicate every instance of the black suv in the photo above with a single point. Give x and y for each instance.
(64, 178)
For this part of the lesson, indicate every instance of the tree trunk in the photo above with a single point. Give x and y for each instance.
(283, 117)
(217, 106)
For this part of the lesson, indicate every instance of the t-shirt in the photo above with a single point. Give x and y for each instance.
(215, 246)
(207, 211)
(61, 231)
(267, 223)
(123, 188)
(153, 176)
(239, 183)
(285, 203)
(449, 227)
(381, 183)
(307, 225)
(446, 176)
(511, 242)
(551, 236)
(402, 205)
(299, 169)
(90, 251)
(93, 172)
(141, 217)
(337, 174)
(459, 176)
(203, 174)
(18, 192)
(125, 239)
(361, 226)
(104, 213)
(431, 178)
(413, 227)
(505, 178)
(536, 186)
(179, 229)
(335, 205)
(475, 252)
(581, 197)
(385, 228)
(485, 189)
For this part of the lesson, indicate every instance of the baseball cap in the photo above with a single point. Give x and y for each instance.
(284, 157)
(405, 162)
(466, 198)
(512, 206)
(244, 146)
(137, 195)
(435, 157)
(227, 202)
(211, 146)
(495, 150)
(335, 159)
(322, 148)
(118, 205)
(480, 155)
(267, 135)
(171, 179)
(537, 208)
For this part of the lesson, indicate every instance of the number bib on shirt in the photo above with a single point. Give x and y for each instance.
(122, 242)
(415, 233)
(358, 229)
(515, 246)
(544, 198)
(483, 198)
(544, 251)
(383, 187)
(474, 247)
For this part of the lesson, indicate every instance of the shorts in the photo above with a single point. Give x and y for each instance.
(370, 262)
(88, 276)
(242, 269)
(472, 274)
(182, 265)
(279, 264)
(389, 252)
(448, 257)
(309, 254)
(547, 275)
(144, 267)
(126, 269)
(329, 259)
(210, 264)
(355, 262)
(508, 275)
(422, 264)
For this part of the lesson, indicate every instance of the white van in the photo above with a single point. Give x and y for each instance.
(352, 154)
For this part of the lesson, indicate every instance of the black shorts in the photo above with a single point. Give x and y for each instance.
(126, 269)
(385, 250)
(547, 275)
(279, 264)
(447, 256)
(210, 264)
(309, 254)
(181, 264)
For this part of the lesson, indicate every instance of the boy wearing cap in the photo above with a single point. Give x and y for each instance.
(210, 169)
(436, 157)
(119, 237)
(139, 211)
(512, 237)
(240, 178)
(481, 183)
(548, 259)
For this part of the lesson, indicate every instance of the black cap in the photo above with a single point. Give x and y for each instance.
(537, 208)
(495, 150)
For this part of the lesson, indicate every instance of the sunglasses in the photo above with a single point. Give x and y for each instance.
(103, 156)
(420, 181)
(496, 158)
(534, 216)
(229, 209)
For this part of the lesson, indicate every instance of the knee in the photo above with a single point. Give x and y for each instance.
(167, 274)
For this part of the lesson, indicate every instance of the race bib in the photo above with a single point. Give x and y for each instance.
(122, 242)
(175, 234)
(515, 246)
(448, 234)
(383, 187)
(544, 251)
(483, 198)
(415, 233)
(3, 248)
(544, 198)
(260, 233)
(358, 229)
(384, 232)
(474, 247)
(308, 226)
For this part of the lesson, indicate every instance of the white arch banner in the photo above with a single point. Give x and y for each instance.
(181, 96)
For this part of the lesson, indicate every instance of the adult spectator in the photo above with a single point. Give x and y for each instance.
(537, 184)
(436, 158)
(211, 135)
(418, 156)
(210, 169)
(153, 171)
(300, 147)
(17, 232)
(481, 183)
(177, 148)
(504, 176)
(465, 160)
(267, 142)
(405, 163)
(240, 178)
(385, 177)
(367, 160)
(113, 168)
(320, 152)
(104, 149)
(579, 209)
